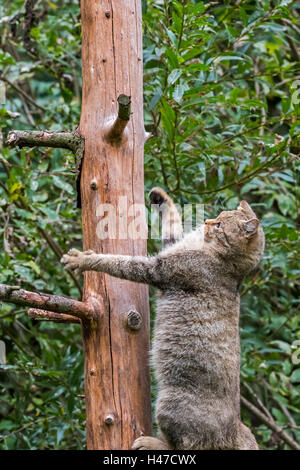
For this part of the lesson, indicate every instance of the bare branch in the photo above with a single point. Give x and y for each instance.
(38, 314)
(52, 303)
(270, 423)
(61, 139)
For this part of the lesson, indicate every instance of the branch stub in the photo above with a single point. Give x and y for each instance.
(134, 320)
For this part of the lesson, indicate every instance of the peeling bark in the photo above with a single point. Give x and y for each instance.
(52, 303)
(52, 316)
(67, 140)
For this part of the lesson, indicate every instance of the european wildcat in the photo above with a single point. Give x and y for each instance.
(196, 351)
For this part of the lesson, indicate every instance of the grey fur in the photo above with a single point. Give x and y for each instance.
(196, 349)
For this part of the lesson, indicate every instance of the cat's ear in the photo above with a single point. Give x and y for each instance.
(246, 209)
(250, 227)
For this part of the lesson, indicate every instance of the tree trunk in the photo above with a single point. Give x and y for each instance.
(117, 384)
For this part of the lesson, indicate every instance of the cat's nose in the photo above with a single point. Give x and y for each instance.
(209, 221)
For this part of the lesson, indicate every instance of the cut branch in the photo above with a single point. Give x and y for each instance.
(67, 140)
(116, 132)
(52, 303)
(62, 139)
(270, 423)
(38, 314)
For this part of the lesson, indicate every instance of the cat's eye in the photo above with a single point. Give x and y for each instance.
(218, 224)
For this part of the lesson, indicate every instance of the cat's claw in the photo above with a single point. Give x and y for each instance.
(71, 260)
(74, 260)
(74, 252)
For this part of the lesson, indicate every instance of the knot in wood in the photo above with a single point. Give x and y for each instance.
(109, 419)
(94, 185)
(134, 320)
(107, 14)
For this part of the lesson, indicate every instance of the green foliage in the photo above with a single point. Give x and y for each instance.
(218, 89)
(40, 405)
(221, 103)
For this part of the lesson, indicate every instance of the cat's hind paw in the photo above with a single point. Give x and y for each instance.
(149, 443)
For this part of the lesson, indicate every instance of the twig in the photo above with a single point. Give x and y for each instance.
(22, 92)
(282, 406)
(270, 424)
(58, 252)
(3, 438)
(264, 409)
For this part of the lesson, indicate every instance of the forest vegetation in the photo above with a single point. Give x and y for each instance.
(221, 100)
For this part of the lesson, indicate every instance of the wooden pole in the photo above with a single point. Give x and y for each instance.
(117, 385)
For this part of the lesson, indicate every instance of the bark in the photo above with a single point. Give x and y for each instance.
(52, 316)
(67, 140)
(52, 303)
(117, 384)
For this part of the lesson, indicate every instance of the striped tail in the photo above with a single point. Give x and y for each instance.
(172, 230)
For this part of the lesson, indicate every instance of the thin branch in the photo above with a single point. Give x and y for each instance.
(59, 253)
(271, 424)
(38, 314)
(52, 303)
(281, 405)
(22, 92)
(259, 401)
(13, 433)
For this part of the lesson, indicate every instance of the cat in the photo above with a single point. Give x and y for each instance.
(196, 347)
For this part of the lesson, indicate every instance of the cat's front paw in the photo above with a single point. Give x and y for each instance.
(74, 260)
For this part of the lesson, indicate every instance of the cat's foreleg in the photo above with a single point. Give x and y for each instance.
(132, 268)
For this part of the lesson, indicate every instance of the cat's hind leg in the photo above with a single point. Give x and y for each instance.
(245, 439)
(150, 443)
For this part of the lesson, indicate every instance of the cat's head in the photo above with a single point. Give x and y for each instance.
(237, 233)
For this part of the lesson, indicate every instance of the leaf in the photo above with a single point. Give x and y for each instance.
(174, 75)
(172, 37)
(295, 377)
(155, 99)
(6, 59)
(178, 93)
